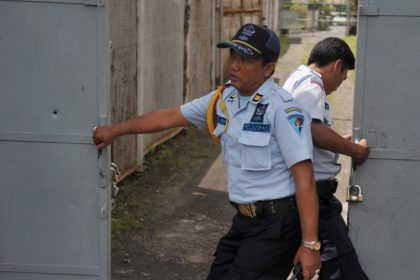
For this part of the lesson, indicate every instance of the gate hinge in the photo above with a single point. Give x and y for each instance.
(98, 3)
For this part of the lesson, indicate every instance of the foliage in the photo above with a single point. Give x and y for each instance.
(353, 5)
(300, 8)
(284, 44)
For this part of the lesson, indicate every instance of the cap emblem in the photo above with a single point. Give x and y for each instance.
(248, 30)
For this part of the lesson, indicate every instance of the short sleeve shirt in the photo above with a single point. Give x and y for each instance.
(307, 88)
(261, 139)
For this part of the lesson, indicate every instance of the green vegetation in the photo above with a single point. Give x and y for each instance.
(352, 42)
(284, 44)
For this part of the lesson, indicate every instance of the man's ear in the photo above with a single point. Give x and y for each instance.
(338, 65)
(269, 69)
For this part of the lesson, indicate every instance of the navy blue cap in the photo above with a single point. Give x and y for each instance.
(255, 41)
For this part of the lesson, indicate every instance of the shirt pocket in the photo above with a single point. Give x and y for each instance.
(256, 151)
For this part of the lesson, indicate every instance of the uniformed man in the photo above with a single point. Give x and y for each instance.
(266, 143)
(328, 64)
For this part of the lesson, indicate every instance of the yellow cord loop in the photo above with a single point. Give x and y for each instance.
(211, 113)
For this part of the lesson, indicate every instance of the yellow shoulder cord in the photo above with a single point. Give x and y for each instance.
(211, 113)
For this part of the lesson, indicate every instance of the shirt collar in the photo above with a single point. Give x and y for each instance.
(263, 90)
(307, 69)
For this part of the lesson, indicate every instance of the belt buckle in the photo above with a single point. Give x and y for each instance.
(248, 209)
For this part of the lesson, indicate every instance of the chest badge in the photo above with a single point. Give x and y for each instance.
(259, 113)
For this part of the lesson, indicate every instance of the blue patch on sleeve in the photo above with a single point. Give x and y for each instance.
(296, 121)
(220, 120)
(256, 127)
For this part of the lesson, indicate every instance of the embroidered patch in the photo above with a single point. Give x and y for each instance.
(257, 97)
(259, 113)
(292, 109)
(296, 121)
(256, 127)
(220, 120)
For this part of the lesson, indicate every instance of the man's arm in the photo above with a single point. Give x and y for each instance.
(325, 138)
(307, 203)
(150, 122)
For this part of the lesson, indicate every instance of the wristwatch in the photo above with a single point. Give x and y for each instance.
(313, 245)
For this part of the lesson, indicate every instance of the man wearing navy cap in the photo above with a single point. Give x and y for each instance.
(267, 147)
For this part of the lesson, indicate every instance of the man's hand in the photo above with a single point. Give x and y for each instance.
(363, 152)
(310, 261)
(104, 136)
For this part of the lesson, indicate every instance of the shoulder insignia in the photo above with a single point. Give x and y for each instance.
(292, 109)
(296, 121)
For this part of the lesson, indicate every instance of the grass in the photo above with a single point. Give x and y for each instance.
(284, 44)
(352, 42)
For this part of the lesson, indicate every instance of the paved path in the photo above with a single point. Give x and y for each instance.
(341, 103)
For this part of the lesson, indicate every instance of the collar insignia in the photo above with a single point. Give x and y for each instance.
(257, 98)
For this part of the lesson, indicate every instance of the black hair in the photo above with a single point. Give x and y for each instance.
(329, 50)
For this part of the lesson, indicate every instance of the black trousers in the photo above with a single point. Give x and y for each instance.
(259, 248)
(339, 258)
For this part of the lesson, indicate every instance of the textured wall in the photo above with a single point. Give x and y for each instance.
(161, 60)
(123, 76)
(198, 48)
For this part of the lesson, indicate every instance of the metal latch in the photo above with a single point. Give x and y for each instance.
(354, 191)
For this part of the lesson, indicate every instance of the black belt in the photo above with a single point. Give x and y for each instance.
(266, 207)
(326, 187)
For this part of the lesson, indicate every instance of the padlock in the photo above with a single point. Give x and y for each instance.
(354, 194)
(115, 172)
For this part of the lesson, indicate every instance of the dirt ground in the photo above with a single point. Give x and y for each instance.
(164, 226)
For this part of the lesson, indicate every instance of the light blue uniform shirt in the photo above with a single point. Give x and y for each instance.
(265, 136)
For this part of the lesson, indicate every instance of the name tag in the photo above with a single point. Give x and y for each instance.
(256, 127)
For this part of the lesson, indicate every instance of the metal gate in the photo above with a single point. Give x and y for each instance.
(54, 208)
(385, 226)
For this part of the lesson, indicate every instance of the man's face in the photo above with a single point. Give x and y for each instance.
(337, 77)
(245, 74)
